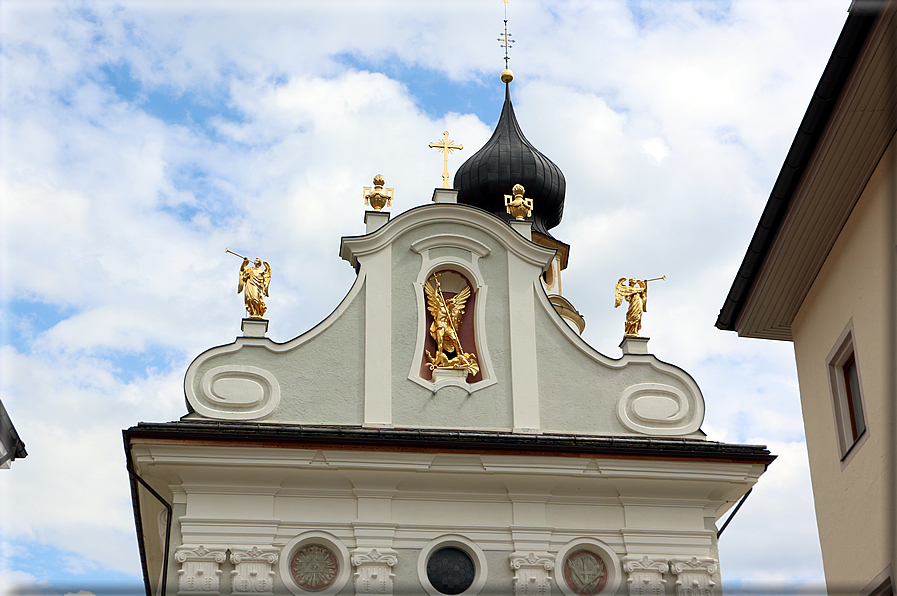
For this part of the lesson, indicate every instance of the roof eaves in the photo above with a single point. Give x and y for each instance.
(853, 36)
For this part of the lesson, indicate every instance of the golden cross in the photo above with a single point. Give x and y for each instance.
(446, 147)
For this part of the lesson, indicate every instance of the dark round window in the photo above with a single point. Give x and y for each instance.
(450, 570)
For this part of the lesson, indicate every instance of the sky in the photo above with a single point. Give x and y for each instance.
(140, 139)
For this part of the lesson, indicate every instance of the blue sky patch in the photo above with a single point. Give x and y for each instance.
(22, 321)
(193, 109)
(61, 571)
(434, 93)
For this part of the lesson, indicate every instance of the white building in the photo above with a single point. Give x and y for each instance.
(339, 463)
(821, 272)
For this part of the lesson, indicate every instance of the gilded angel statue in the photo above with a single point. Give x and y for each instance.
(253, 282)
(447, 315)
(636, 294)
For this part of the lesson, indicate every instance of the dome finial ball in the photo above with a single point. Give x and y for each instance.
(507, 75)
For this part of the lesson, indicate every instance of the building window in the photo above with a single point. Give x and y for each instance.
(847, 393)
(452, 565)
(451, 570)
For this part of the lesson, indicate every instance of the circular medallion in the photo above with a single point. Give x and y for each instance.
(451, 570)
(314, 567)
(585, 572)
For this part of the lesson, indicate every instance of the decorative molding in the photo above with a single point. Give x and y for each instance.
(645, 576)
(532, 573)
(657, 409)
(373, 570)
(236, 392)
(695, 576)
(199, 573)
(253, 573)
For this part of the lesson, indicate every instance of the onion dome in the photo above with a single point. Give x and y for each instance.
(508, 159)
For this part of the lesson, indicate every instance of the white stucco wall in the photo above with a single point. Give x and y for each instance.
(851, 287)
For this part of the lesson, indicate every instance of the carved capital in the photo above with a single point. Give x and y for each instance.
(252, 573)
(694, 576)
(373, 570)
(267, 555)
(532, 573)
(645, 575)
(519, 560)
(199, 573)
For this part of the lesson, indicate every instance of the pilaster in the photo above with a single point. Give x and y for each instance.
(373, 570)
(253, 573)
(532, 573)
(695, 576)
(645, 576)
(200, 573)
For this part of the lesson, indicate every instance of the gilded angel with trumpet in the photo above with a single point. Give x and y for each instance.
(253, 282)
(447, 314)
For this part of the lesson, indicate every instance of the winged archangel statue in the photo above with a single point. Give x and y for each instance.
(253, 282)
(447, 315)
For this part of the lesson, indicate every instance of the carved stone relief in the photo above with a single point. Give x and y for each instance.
(373, 570)
(645, 576)
(253, 573)
(532, 573)
(694, 576)
(199, 572)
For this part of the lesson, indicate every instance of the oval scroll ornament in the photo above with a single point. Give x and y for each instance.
(237, 392)
(657, 409)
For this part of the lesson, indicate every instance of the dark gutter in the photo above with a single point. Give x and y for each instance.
(135, 500)
(737, 507)
(357, 437)
(847, 49)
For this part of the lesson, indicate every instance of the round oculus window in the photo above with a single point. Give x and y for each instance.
(451, 570)
(314, 567)
(585, 572)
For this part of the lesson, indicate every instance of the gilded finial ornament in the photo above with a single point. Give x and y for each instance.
(517, 206)
(253, 282)
(378, 197)
(446, 147)
(444, 329)
(636, 294)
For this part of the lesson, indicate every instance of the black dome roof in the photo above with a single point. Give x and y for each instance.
(507, 159)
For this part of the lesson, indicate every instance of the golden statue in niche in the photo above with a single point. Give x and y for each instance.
(636, 294)
(447, 315)
(253, 281)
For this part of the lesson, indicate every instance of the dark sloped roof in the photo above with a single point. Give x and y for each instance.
(452, 440)
(850, 43)
(507, 159)
(12, 444)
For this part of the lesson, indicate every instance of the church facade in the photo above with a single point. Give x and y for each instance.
(445, 430)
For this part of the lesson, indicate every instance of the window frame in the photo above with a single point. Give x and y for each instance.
(848, 405)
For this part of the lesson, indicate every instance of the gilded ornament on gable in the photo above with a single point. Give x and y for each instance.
(636, 294)
(446, 147)
(447, 317)
(253, 281)
(378, 197)
(517, 206)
